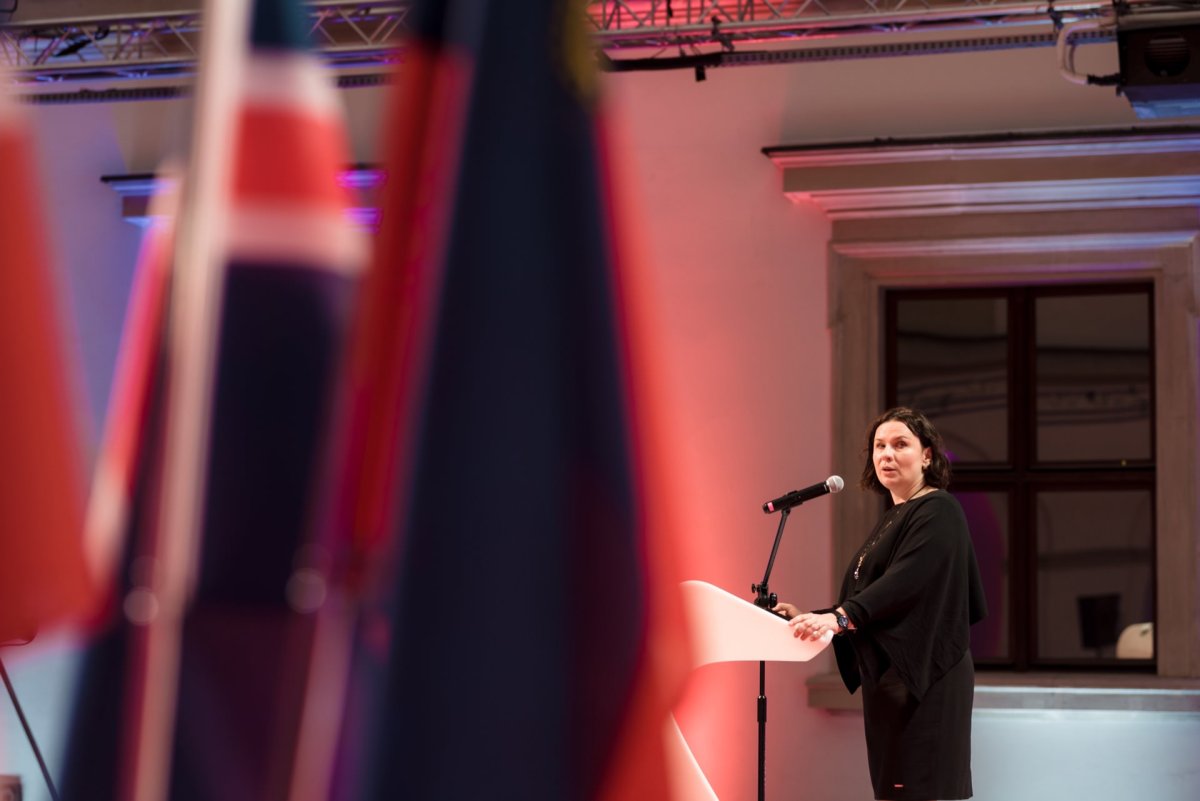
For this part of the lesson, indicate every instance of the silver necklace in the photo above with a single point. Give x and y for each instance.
(892, 517)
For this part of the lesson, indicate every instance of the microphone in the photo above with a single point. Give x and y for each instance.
(797, 497)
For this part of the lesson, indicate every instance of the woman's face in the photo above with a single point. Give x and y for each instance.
(900, 460)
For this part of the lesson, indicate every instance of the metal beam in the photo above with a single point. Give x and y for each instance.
(354, 34)
(658, 23)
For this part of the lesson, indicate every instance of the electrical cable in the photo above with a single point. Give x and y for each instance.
(1066, 51)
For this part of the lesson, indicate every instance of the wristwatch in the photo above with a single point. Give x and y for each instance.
(843, 622)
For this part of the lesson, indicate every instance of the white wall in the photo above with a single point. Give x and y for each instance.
(738, 280)
(94, 248)
(1047, 755)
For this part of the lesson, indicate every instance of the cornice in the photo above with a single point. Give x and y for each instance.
(1141, 169)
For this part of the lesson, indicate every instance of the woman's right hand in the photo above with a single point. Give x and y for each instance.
(786, 610)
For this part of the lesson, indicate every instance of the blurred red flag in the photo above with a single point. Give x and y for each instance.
(43, 573)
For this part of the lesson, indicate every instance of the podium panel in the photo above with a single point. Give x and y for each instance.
(726, 628)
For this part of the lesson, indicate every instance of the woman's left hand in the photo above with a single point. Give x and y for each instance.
(810, 626)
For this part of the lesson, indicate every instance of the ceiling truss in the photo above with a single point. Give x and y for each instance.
(353, 35)
(348, 34)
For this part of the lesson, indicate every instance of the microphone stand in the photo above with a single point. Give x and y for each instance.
(766, 599)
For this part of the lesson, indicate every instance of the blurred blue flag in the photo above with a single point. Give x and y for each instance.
(293, 260)
(521, 594)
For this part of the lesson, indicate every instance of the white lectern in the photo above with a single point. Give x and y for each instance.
(726, 628)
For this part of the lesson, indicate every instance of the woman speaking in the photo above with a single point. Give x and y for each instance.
(903, 616)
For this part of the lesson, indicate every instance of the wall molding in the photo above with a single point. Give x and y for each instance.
(136, 190)
(1117, 169)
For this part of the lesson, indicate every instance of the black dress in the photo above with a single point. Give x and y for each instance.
(912, 591)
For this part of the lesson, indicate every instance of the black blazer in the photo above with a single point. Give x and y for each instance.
(917, 594)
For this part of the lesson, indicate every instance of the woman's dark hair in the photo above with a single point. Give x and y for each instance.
(937, 474)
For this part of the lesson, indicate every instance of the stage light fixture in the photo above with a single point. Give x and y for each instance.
(72, 47)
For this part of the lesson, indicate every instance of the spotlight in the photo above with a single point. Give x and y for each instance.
(73, 47)
(78, 41)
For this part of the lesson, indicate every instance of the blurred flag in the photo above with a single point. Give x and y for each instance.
(43, 573)
(135, 392)
(120, 531)
(250, 385)
(536, 647)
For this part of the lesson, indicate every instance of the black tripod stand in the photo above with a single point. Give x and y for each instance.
(766, 599)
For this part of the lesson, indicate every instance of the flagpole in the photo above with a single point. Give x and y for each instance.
(191, 345)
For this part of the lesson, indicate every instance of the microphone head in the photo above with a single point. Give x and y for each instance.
(835, 483)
